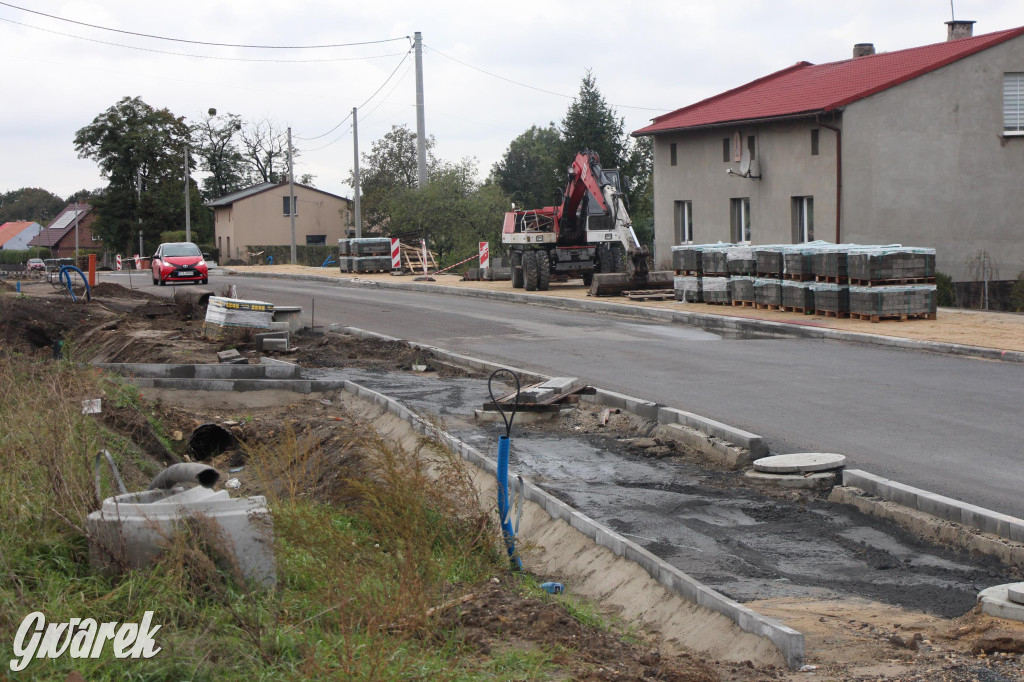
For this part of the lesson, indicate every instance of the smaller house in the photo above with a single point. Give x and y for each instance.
(15, 235)
(71, 229)
(261, 216)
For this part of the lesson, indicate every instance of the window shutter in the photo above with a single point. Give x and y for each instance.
(1013, 102)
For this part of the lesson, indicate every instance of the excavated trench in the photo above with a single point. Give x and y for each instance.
(745, 542)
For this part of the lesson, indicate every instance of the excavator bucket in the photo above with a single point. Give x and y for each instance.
(613, 283)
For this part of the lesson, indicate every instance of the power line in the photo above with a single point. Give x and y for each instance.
(202, 42)
(530, 87)
(197, 56)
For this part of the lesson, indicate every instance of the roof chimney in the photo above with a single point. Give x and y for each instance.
(863, 50)
(958, 28)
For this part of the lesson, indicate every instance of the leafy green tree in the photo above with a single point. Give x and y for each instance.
(386, 172)
(532, 170)
(29, 203)
(639, 171)
(591, 123)
(129, 141)
(215, 141)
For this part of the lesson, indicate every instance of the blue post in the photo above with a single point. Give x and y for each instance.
(504, 511)
(17, 286)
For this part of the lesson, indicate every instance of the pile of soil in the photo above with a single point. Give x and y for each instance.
(33, 325)
(111, 290)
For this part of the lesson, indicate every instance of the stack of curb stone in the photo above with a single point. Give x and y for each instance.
(833, 280)
(372, 254)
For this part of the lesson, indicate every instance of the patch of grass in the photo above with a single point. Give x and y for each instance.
(521, 664)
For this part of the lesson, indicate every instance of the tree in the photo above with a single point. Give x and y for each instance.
(265, 147)
(29, 203)
(590, 123)
(532, 170)
(132, 141)
(639, 169)
(387, 171)
(214, 140)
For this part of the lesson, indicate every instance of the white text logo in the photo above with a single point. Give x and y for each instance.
(81, 638)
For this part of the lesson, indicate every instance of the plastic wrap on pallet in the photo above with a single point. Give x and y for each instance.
(892, 263)
(741, 288)
(364, 263)
(768, 291)
(893, 300)
(831, 297)
(365, 246)
(687, 257)
(688, 289)
(713, 258)
(797, 295)
(715, 289)
(741, 260)
(769, 260)
(234, 312)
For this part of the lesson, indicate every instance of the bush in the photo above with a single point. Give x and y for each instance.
(1017, 294)
(945, 290)
(15, 257)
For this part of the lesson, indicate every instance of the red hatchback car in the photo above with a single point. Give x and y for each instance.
(179, 262)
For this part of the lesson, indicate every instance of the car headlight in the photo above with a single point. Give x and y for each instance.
(201, 264)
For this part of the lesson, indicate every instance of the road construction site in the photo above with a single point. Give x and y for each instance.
(825, 569)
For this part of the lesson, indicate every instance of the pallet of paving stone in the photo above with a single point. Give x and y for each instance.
(364, 264)
(892, 265)
(768, 292)
(831, 265)
(741, 288)
(365, 246)
(797, 295)
(716, 290)
(688, 259)
(797, 266)
(715, 261)
(831, 300)
(769, 262)
(741, 260)
(223, 313)
(894, 302)
(687, 288)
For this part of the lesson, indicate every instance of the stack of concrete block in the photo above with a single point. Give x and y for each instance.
(770, 262)
(797, 295)
(831, 264)
(716, 290)
(688, 289)
(371, 254)
(831, 300)
(768, 292)
(715, 260)
(879, 302)
(892, 264)
(222, 313)
(687, 259)
(741, 260)
(741, 288)
(797, 265)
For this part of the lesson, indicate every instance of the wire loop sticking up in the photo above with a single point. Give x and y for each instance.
(507, 418)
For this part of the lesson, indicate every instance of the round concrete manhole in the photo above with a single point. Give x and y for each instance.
(799, 463)
(1015, 593)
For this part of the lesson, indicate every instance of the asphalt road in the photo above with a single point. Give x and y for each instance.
(946, 424)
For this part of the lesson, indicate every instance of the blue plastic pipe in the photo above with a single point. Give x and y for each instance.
(329, 261)
(270, 260)
(504, 510)
(65, 277)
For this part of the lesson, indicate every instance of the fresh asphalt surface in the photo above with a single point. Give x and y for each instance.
(946, 424)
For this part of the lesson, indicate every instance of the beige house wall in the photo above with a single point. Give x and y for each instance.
(260, 220)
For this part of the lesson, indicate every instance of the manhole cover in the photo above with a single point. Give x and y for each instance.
(799, 462)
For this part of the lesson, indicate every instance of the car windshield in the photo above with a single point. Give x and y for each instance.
(178, 250)
(36, 261)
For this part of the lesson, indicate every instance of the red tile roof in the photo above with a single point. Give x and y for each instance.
(9, 231)
(806, 88)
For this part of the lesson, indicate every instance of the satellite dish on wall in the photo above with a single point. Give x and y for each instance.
(745, 163)
(737, 146)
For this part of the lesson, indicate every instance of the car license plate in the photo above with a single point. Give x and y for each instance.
(185, 273)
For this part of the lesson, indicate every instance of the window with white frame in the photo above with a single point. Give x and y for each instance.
(684, 222)
(740, 219)
(286, 204)
(803, 219)
(1013, 103)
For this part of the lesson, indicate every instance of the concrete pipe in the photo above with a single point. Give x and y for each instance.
(190, 472)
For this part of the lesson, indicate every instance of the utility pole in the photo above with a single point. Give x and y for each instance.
(355, 175)
(421, 126)
(138, 206)
(78, 213)
(188, 213)
(291, 192)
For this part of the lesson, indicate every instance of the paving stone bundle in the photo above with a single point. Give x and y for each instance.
(715, 260)
(688, 289)
(768, 291)
(688, 258)
(797, 295)
(892, 264)
(741, 288)
(831, 264)
(364, 263)
(715, 290)
(797, 265)
(222, 313)
(741, 260)
(365, 246)
(769, 261)
(878, 302)
(831, 298)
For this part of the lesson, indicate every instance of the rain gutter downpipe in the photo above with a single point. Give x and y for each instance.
(839, 174)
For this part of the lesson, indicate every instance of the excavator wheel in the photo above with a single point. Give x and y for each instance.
(517, 269)
(530, 270)
(543, 270)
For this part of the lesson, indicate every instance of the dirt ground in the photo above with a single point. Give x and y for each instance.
(1004, 331)
(846, 640)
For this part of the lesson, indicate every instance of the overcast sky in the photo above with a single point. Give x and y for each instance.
(648, 57)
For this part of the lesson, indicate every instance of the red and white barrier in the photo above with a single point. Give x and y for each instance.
(117, 260)
(138, 262)
(423, 242)
(396, 254)
(485, 257)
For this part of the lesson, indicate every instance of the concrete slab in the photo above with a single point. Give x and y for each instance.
(819, 480)
(562, 384)
(276, 344)
(489, 416)
(799, 462)
(260, 338)
(1015, 593)
(995, 601)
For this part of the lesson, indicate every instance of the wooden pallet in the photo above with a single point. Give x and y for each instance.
(830, 279)
(688, 273)
(718, 302)
(798, 277)
(552, 404)
(650, 295)
(743, 304)
(412, 258)
(767, 306)
(891, 282)
(832, 313)
(902, 317)
(769, 275)
(796, 309)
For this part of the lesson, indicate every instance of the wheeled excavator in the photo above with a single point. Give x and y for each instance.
(588, 235)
